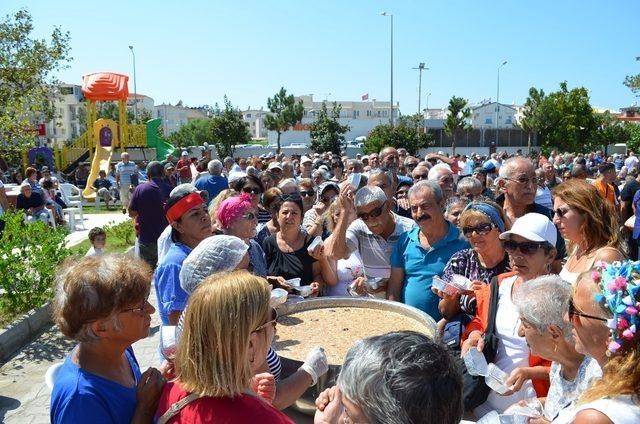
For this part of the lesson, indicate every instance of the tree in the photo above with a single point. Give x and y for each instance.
(610, 130)
(285, 113)
(534, 114)
(633, 130)
(26, 82)
(194, 133)
(326, 131)
(571, 121)
(228, 129)
(457, 119)
(407, 133)
(633, 81)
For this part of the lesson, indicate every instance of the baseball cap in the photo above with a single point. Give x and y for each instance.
(275, 165)
(168, 166)
(304, 159)
(535, 227)
(488, 166)
(185, 154)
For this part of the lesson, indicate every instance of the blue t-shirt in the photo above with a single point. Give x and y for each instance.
(166, 281)
(80, 396)
(421, 265)
(214, 184)
(126, 170)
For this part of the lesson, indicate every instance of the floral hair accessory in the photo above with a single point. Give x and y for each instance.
(618, 284)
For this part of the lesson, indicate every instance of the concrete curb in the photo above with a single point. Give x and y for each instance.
(19, 332)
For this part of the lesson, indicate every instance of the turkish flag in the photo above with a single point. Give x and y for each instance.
(365, 97)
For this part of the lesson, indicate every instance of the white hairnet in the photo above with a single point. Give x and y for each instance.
(213, 254)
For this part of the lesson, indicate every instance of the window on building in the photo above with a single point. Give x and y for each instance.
(488, 120)
(378, 114)
(248, 115)
(384, 113)
(508, 120)
(368, 113)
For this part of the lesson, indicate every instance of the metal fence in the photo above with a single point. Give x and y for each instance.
(482, 138)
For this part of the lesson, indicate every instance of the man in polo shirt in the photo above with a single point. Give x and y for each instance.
(519, 184)
(190, 224)
(183, 168)
(422, 252)
(374, 234)
(124, 170)
(147, 203)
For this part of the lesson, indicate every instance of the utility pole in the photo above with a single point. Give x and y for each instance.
(135, 87)
(420, 68)
(498, 100)
(391, 105)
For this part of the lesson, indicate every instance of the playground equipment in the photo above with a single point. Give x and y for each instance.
(163, 148)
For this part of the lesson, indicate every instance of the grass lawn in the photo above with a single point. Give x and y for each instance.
(92, 209)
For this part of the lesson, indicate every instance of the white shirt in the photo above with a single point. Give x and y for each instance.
(512, 353)
(631, 162)
(620, 410)
(543, 197)
(94, 252)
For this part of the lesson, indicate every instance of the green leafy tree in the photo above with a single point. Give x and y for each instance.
(285, 113)
(572, 124)
(326, 131)
(633, 81)
(228, 129)
(610, 130)
(407, 133)
(456, 119)
(27, 86)
(535, 110)
(194, 133)
(633, 130)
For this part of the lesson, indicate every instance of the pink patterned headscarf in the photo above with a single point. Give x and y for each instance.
(231, 208)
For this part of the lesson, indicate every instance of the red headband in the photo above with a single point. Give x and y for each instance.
(189, 201)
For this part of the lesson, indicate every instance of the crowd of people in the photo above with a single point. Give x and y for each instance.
(545, 248)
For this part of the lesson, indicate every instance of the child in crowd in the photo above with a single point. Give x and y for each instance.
(98, 238)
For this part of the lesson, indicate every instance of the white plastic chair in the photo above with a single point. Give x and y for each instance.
(72, 196)
(51, 375)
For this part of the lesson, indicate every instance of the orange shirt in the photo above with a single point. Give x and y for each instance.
(606, 191)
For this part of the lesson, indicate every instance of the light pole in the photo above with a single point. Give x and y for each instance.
(498, 99)
(420, 68)
(135, 87)
(391, 106)
(428, 94)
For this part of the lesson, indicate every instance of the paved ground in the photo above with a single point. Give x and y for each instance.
(93, 220)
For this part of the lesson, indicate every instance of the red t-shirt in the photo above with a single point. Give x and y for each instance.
(242, 409)
(186, 172)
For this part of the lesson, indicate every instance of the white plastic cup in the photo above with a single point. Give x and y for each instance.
(278, 297)
(294, 282)
(168, 344)
(316, 241)
(475, 362)
(354, 180)
(305, 291)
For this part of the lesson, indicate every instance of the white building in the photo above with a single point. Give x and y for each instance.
(483, 116)
(255, 119)
(141, 101)
(173, 117)
(360, 116)
(65, 124)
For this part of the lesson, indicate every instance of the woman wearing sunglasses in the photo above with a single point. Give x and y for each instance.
(100, 379)
(530, 245)
(542, 304)
(250, 185)
(481, 223)
(588, 221)
(604, 313)
(213, 379)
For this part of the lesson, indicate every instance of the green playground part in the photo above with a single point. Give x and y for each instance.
(163, 148)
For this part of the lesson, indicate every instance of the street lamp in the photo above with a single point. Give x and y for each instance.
(420, 68)
(391, 108)
(498, 100)
(428, 94)
(135, 87)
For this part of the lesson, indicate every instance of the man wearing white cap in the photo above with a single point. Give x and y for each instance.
(306, 167)
(183, 168)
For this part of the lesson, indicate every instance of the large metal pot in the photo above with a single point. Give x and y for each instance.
(306, 403)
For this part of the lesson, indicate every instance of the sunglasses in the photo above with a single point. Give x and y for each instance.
(272, 321)
(573, 312)
(251, 190)
(526, 248)
(308, 193)
(561, 212)
(372, 214)
(480, 229)
(249, 216)
(524, 180)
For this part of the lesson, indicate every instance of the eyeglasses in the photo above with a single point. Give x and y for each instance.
(272, 321)
(249, 216)
(561, 212)
(526, 248)
(573, 312)
(480, 229)
(139, 310)
(446, 180)
(524, 180)
(372, 214)
(307, 193)
(251, 190)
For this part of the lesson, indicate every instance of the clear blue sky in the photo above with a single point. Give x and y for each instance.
(197, 51)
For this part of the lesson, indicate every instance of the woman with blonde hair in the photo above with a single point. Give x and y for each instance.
(227, 331)
(604, 312)
(215, 204)
(589, 222)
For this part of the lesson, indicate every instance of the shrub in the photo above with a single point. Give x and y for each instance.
(122, 231)
(29, 256)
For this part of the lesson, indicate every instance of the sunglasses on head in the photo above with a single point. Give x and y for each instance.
(526, 248)
(372, 214)
(480, 229)
(573, 312)
(307, 193)
(251, 190)
(272, 321)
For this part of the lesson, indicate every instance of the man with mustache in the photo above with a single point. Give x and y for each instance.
(422, 252)
(373, 234)
(518, 183)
